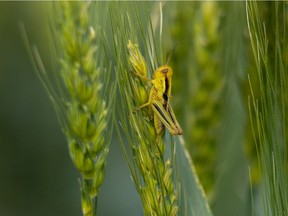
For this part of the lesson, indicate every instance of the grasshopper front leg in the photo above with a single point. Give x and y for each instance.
(143, 105)
(142, 77)
(149, 102)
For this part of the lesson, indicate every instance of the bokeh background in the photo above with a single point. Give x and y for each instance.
(210, 95)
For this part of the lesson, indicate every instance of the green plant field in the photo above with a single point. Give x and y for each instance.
(92, 121)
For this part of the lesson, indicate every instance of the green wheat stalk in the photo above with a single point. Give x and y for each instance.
(150, 165)
(77, 91)
(269, 110)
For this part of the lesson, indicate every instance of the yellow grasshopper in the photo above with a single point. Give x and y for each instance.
(159, 101)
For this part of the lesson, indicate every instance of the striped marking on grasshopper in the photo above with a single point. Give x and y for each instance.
(159, 101)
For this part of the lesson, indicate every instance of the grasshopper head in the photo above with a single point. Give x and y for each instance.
(163, 71)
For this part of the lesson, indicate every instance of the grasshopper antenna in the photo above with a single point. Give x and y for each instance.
(169, 55)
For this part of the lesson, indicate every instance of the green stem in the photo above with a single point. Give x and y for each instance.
(89, 199)
(94, 207)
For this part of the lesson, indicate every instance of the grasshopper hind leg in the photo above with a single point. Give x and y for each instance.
(159, 126)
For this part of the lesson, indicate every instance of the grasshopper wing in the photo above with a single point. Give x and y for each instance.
(167, 117)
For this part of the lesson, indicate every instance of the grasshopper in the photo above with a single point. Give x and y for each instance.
(159, 101)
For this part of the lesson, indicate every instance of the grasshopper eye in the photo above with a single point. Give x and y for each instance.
(164, 70)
